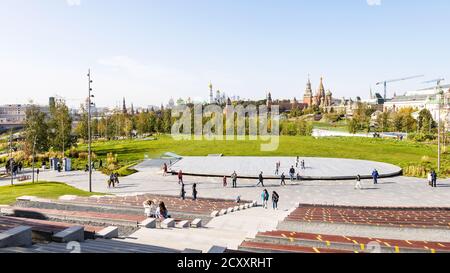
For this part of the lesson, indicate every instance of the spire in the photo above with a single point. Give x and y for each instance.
(124, 106)
(211, 95)
(132, 109)
(321, 90)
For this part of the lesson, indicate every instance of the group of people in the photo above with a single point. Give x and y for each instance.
(152, 210)
(194, 192)
(233, 177)
(113, 180)
(375, 176)
(265, 199)
(13, 168)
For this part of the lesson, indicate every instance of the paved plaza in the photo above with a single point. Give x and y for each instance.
(395, 191)
(230, 230)
(315, 168)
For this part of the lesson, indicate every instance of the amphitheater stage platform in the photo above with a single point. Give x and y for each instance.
(316, 168)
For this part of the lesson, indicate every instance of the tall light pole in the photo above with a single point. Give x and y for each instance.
(34, 147)
(11, 160)
(439, 95)
(89, 131)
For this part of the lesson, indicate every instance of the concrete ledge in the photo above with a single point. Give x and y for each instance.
(197, 223)
(217, 249)
(148, 223)
(214, 213)
(108, 233)
(67, 197)
(26, 198)
(242, 207)
(230, 210)
(16, 237)
(191, 251)
(182, 224)
(75, 233)
(223, 212)
(6, 210)
(237, 208)
(168, 223)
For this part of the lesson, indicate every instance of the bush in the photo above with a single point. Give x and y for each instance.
(415, 171)
(421, 137)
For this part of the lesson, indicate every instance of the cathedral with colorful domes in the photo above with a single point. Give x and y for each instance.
(321, 98)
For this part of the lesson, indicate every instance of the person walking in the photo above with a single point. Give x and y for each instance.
(375, 176)
(37, 175)
(165, 169)
(265, 198)
(292, 173)
(275, 199)
(303, 165)
(429, 179)
(112, 180)
(296, 162)
(277, 168)
(180, 177)
(358, 184)
(225, 182)
(260, 180)
(283, 182)
(234, 179)
(433, 179)
(194, 192)
(100, 164)
(183, 192)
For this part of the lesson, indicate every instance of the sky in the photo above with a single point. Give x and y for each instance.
(149, 51)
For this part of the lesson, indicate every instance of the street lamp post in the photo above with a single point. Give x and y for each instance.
(34, 146)
(11, 160)
(439, 95)
(89, 131)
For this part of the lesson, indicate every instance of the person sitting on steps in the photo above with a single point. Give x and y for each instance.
(149, 208)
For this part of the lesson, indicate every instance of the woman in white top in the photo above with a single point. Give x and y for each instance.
(149, 208)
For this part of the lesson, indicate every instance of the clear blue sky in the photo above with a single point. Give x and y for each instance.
(152, 50)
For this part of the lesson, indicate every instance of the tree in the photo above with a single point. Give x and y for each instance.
(361, 119)
(60, 125)
(426, 123)
(82, 127)
(36, 129)
(383, 122)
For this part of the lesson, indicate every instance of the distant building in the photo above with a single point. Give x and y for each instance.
(284, 105)
(320, 99)
(14, 115)
(422, 99)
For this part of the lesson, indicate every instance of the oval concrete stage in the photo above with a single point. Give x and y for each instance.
(316, 168)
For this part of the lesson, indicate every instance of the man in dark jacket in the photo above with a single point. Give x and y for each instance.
(292, 173)
(260, 180)
(433, 179)
(375, 176)
(283, 177)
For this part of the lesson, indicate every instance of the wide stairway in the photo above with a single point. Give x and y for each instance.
(44, 223)
(296, 232)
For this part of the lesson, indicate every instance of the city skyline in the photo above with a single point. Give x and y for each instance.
(151, 51)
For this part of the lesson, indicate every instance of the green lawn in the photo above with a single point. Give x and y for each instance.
(401, 153)
(340, 126)
(51, 190)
